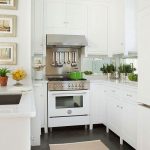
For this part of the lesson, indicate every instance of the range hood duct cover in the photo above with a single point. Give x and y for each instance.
(58, 40)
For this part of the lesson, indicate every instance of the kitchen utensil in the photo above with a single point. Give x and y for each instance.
(68, 62)
(73, 64)
(59, 60)
(75, 58)
(64, 57)
(53, 61)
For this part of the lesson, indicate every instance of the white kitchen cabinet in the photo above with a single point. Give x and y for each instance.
(114, 113)
(130, 26)
(97, 100)
(143, 128)
(129, 123)
(122, 114)
(40, 90)
(76, 14)
(64, 17)
(122, 27)
(116, 28)
(98, 28)
(55, 16)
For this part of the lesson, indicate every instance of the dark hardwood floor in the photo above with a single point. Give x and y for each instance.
(78, 134)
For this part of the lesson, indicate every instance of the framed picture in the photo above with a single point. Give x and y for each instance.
(8, 25)
(8, 53)
(8, 4)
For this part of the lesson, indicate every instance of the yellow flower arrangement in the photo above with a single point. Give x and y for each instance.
(19, 74)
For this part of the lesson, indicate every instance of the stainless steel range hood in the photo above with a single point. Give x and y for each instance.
(58, 40)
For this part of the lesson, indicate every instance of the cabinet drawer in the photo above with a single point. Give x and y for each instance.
(129, 95)
(114, 92)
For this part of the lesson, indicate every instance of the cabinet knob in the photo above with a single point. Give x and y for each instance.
(69, 112)
(65, 22)
(122, 44)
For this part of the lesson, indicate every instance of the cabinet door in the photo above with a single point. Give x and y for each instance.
(129, 130)
(39, 98)
(98, 29)
(114, 115)
(76, 14)
(116, 27)
(98, 103)
(143, 56)
(55, 16)
(143, 128)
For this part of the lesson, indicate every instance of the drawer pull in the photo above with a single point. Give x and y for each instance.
(129, 95)
(113, 91)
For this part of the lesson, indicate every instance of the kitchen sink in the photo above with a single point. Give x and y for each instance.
(10, 99)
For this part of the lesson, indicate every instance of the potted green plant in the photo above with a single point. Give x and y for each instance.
(103, 69)
(125, 69)
(109, 69)
(3, 76)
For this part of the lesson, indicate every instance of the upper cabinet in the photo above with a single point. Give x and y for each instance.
(97, 34)
(116, 27)
(130, 26)
(64, 17)
(122, 27)
(76, 16)
(54, 16)
(109, 25)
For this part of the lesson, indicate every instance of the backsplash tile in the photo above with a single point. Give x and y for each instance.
(95, 63)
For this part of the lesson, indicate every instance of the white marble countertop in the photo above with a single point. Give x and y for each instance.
(103, 79)
(26, 107)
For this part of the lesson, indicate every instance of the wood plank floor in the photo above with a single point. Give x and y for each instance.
(78, 134)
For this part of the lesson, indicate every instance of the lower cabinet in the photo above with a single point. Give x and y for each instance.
(98, 103)
(40, 90)
(129, 123)
(122, 115)
(115, 107)
(114, 115)
(40, 121)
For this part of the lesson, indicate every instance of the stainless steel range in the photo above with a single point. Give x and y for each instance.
(68, 100)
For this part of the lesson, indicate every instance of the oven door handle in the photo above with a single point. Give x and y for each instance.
(69, 93)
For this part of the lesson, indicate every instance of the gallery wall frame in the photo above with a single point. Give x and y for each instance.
(8, 53)
(8, 25)
(8, 4)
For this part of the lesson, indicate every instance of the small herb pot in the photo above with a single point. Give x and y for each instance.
(3, 81)
(109, 75)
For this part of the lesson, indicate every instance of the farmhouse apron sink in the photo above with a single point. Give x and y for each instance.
(10, 99)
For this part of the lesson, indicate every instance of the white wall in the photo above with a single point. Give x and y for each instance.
(23, 38)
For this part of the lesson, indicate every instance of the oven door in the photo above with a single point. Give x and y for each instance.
(68, 103)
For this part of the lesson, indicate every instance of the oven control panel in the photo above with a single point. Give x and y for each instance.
(68, 85)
